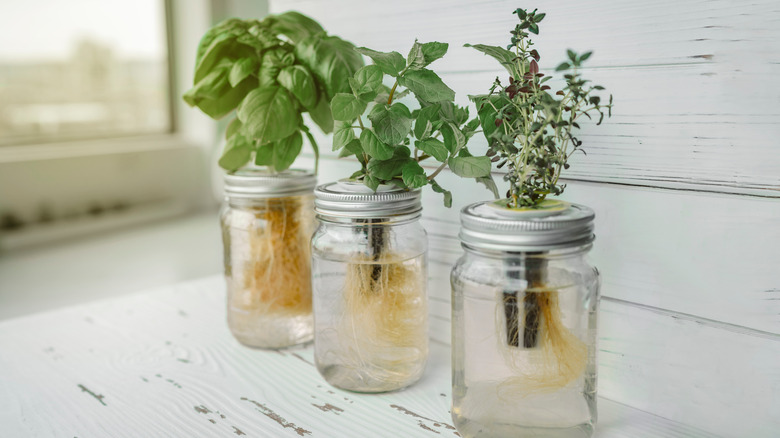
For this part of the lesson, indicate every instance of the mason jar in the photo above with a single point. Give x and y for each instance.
(267, 223)
(524, 316)
(369, 279)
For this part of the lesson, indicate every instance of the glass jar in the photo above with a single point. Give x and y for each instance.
(524, 314)
(267, 223)
(369, 280)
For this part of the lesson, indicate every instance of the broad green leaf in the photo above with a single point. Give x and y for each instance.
(212, 86)
(218, 46)
(470, 128)
(268, 114)
(427, 114)
(447, 194)
(371, 182)
(386, 170)
(391, 123)
(297, 80)
(270, 67)
(454, 139)
(264, 156)
(342, 135)
(426, 85)
(346, 107)
(332, 60)
(321, 114)
(217, 108)
(352, 148)
(241, 70)
(390, 63)
(367, 82)
(225, 30)
(238, 151)
(415, 60)
(434, 148)
(295, 26)
(433, 51)
(286, 150)
(233, 127)
(470, 167)
(486, 110)
(502, 55)
(414, 175)
(374, 146)
(490, 184)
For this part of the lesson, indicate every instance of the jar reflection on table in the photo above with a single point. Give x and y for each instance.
(267, 223)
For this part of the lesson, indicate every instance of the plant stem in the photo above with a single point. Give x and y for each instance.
(438, 170)
(392, 91)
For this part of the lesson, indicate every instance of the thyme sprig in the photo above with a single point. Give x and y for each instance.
(530, 129)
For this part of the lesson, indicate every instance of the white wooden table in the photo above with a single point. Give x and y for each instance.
(163, 363)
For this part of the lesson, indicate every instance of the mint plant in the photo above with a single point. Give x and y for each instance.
(272, 71)
(391, 147)
(529, 128)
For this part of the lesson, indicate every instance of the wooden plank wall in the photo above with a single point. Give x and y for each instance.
(685, 181)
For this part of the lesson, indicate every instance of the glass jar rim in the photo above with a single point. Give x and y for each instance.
(263, 183)
(352, 199)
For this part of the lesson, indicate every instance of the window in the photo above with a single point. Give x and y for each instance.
(82, 68)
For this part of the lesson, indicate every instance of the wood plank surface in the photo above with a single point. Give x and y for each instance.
(694, 81)
(163, 363)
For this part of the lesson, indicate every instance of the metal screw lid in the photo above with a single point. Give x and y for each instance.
(261, 183)
(347, 198)
(488, 226)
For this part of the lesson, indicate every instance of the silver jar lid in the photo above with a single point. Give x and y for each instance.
(347, 198)
(261, 183)
(488, 226)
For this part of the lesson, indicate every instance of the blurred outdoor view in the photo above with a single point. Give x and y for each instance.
(82, 69)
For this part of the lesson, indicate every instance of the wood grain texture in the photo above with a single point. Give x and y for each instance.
(694, 81)
(163, 363)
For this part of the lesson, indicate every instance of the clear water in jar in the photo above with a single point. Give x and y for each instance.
(371, 326)
(267, 269)
(503, 388)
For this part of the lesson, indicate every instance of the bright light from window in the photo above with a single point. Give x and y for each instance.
(82, 68)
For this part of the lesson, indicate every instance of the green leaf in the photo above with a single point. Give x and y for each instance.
(321, 114)
(433, 51)
(286, 150)
(212, 86)
(352, 148)
(539, 17)
(487, 114)
(572, 56)
(295, 26)
(470, 167)
(371, 182)
(264, 156)
(426, 114)
(447, 194)
(563, 66)
(415, 60)
(332, 60)
(233, 127)
(347, 107)
(426, 85)
(220, 45)
(490, 184)
(217, 108)
(374, 146)
(238, 151)
(298, 81)
(454, 139)
(268, 114)
(434, 148)
(502, 55)
(585, 56)
(390, 63)
(414, 175)
(386, 170)
(367, 82)
(342, 135)
(241, 70)
(391, 123)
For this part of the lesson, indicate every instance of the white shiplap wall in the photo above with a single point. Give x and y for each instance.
(685, 181)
